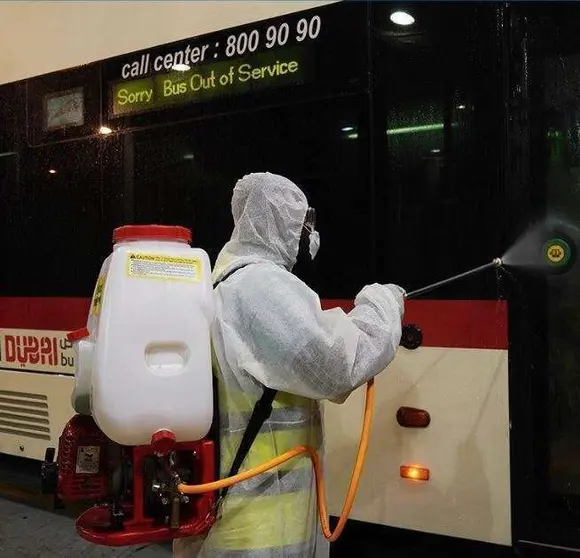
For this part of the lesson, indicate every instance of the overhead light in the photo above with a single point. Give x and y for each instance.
(402, 18)
(181, 67)
(188, 157)
(51, 171)
(435, 150)
(348, 129)
(353, 135)
(461, 107)
(105, 130)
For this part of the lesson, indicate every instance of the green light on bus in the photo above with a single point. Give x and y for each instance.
(416, 129)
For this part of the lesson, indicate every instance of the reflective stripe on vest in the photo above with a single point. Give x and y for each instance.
(254, 523)
(267, 446)
(280, 419)
(276, 482)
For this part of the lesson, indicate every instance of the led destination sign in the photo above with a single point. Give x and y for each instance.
(204, 82)
(323, 49)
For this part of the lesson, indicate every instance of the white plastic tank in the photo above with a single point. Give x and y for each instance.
(151, 367)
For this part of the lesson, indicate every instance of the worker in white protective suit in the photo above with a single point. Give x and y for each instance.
(270, 331)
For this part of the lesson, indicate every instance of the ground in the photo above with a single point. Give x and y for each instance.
(30, 532)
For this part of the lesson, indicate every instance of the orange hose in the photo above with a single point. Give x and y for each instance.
(320, 491)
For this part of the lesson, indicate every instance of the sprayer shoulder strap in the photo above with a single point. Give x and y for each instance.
(260, 414)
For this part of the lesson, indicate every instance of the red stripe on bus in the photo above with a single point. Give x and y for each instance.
(59, 314)
(469, 324)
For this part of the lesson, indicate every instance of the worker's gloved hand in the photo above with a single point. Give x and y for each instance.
(399, 294)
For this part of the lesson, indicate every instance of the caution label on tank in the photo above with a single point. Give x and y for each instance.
(88, 459)
(150, 266)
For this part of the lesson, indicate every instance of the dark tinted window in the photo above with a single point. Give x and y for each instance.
(185, 174)
(72, 203)
(13, 211)
(439, 143)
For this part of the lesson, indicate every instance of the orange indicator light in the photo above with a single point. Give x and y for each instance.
(414, 473)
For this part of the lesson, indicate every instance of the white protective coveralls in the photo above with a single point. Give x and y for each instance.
(270, 331)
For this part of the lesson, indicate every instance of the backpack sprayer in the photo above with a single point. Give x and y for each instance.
(150, 481)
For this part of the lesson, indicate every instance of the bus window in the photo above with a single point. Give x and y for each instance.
(12, 197)
(440, 179)
(73, 204)
(185, 173)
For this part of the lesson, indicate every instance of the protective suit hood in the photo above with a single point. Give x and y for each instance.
(268, 211)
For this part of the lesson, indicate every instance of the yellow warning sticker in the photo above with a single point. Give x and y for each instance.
(98, 295)
(150, 266)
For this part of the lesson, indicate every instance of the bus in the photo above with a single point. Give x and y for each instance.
(428, 136)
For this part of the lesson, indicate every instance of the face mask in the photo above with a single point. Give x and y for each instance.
(314, 243)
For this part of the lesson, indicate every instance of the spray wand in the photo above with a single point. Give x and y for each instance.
(496, 262)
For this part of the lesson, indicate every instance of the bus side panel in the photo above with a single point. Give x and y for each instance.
(465, 447)
(34, 409)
